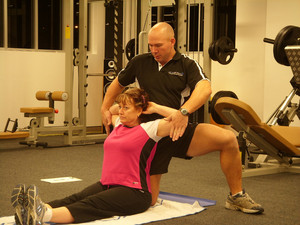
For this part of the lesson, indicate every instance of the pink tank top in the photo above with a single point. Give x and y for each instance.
(128, 153)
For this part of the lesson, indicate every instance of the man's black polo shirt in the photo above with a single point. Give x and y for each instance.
(167, 86)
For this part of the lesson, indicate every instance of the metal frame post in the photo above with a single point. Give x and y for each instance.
(5, 27)
(68, 9)
(145, 26)
(82, 66)
(207, 39)
(181, 26)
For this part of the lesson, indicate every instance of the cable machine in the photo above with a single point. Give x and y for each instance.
(74, 129)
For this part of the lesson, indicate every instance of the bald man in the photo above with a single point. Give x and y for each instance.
(169, 78)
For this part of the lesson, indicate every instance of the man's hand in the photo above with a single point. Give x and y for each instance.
(106, 119)
(178, 124)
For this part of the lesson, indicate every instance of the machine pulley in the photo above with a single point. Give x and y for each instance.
(222, 50)
(289, 35)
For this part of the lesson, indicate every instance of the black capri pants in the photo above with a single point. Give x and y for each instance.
(101, 201)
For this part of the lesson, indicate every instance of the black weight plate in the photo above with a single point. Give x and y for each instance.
(226, 58)
(130, 49)
(215, 116)
(286, 36)
(222, 49)
(211, 51)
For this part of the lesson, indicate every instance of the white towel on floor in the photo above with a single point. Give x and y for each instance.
(162, 210)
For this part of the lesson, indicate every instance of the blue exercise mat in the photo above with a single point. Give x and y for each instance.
(185, 199)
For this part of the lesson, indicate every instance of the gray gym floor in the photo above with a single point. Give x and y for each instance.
(200, 177)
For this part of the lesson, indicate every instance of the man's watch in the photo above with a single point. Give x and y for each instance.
(184, 112)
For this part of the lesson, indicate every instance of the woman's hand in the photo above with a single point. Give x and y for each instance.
(152, 108)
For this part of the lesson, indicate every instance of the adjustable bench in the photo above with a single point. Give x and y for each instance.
(39, 113)
(10, 130)
(279, 142)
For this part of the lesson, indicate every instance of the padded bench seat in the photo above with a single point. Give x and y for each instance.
(17, 134)
(36, 110)
(284, 139)
(279, 141)
(292, 134)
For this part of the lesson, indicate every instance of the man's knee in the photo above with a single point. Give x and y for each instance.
(208, 138)
(230, 140)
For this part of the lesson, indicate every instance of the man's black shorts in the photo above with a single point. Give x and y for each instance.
(166, 149)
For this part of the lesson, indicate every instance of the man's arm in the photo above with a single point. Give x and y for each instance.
(113, 91)
(198, 98)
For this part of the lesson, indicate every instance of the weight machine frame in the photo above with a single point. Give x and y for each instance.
(283, 116)
(80, 126)
(74, 129)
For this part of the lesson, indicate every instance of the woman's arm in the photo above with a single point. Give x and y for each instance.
(113, 119)
(112, 92)
(164, 127)
(114, 110)
(159, 109)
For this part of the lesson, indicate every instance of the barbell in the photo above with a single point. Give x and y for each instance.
(289, 35)
(222, 50)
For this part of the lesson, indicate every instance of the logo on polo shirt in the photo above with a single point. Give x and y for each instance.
(176, 73)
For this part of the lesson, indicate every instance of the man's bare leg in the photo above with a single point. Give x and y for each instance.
(209, 138)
